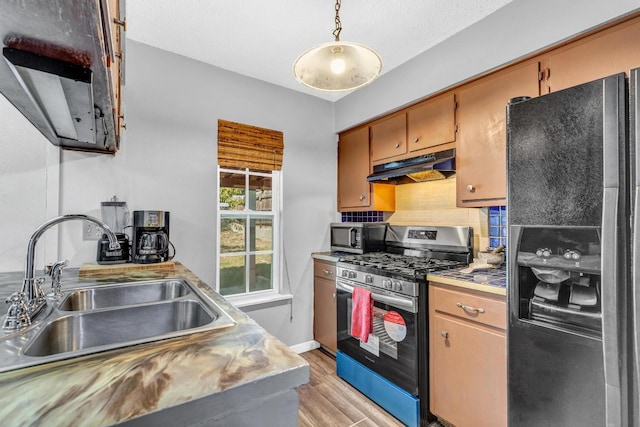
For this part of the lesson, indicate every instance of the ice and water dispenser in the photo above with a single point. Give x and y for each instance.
(558, 278)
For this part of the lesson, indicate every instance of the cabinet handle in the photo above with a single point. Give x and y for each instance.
(326, 271)
(416, 139)
(469, 308)
(121, 23)
(444, 334)
(361, 198)
(333, 295)
(471, 188)
(397, 145)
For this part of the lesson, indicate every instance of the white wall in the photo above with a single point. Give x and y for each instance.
(28, 188)
(516, 30)
(168, 162)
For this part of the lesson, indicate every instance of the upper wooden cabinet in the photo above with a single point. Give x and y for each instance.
(602, 54)
(431, 123)
(481, 146)
(419, 129)
(355, 193)
(389, 138)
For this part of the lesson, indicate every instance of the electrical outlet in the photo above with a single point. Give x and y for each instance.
(91, 231)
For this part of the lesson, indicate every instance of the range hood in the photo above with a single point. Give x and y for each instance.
(428, 167)
(55, 69)
(60, 91)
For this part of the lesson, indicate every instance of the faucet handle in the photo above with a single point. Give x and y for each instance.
(55, 271)
(17, 315)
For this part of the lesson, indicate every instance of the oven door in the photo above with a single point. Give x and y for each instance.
(392, 348)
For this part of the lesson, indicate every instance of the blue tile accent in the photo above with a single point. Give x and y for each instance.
(402, 405)
(368, 216)
(497, 226)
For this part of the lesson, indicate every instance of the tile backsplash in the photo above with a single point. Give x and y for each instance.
(369, 216)
(434, 203)
(497, 226)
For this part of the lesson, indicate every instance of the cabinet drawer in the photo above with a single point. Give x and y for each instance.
(465, 305)
(324, 269)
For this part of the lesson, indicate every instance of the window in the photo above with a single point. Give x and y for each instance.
(249, 188)
(248, 231)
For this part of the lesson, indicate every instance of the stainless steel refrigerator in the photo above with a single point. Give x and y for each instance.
(573, 255)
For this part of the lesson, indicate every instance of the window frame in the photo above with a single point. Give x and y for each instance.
(248, 297)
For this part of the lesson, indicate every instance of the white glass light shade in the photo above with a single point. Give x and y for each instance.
(337, 66)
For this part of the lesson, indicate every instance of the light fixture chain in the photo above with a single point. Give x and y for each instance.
(336, 32)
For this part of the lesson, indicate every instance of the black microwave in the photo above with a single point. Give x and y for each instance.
(358, 237)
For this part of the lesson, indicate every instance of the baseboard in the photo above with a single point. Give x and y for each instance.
(305, 346)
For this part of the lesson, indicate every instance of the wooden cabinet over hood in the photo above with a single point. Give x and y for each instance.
(60, 68)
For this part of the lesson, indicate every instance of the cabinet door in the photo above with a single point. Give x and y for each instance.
(114, 61)
(353, 169)
(389, 138)
(324, 309)
(481, 147)
(468, 373)
(612, 51)
(432, 123)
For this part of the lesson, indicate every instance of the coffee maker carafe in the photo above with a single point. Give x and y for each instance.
(150, 237)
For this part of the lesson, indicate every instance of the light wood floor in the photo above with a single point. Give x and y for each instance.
(328, 401)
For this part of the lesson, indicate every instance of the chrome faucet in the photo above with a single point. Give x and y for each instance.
(27, 303)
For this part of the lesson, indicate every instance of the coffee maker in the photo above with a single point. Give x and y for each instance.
(116, 215)
(150, 237)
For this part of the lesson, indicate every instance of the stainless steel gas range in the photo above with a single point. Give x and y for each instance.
(392, 367)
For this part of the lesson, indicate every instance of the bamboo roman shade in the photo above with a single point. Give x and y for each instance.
(242, 146)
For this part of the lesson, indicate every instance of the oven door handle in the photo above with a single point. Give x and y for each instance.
(407, 304)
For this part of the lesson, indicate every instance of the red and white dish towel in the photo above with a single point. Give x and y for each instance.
(361, 314)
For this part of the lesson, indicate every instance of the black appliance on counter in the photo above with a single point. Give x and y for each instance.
(116, 215)
(358, 237)
(392, 368)
(150, 242)
(573, 278)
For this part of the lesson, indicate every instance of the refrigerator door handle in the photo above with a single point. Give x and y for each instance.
(634, 111)
(610, 315)
(610, 280)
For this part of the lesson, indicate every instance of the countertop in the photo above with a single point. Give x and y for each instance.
(491, 280)
(119, 385)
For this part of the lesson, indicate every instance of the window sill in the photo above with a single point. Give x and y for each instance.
(252, 302)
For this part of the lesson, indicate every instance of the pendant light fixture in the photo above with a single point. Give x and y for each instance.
(337, 66)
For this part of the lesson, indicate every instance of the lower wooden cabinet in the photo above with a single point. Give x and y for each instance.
(324, 304)
(467, 357)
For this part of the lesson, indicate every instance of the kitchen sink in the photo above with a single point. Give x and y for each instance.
(100, 317)
(124, 294)
(98, 329)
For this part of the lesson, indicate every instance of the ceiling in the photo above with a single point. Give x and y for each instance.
(262, 39)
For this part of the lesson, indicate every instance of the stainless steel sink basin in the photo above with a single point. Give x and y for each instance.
(124, 294)
(102, 317)
(124, 325)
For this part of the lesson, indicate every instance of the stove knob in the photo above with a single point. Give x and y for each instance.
(397, 286)
(345, 273)
(352, 275)
(386, 283)
(368, 278)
